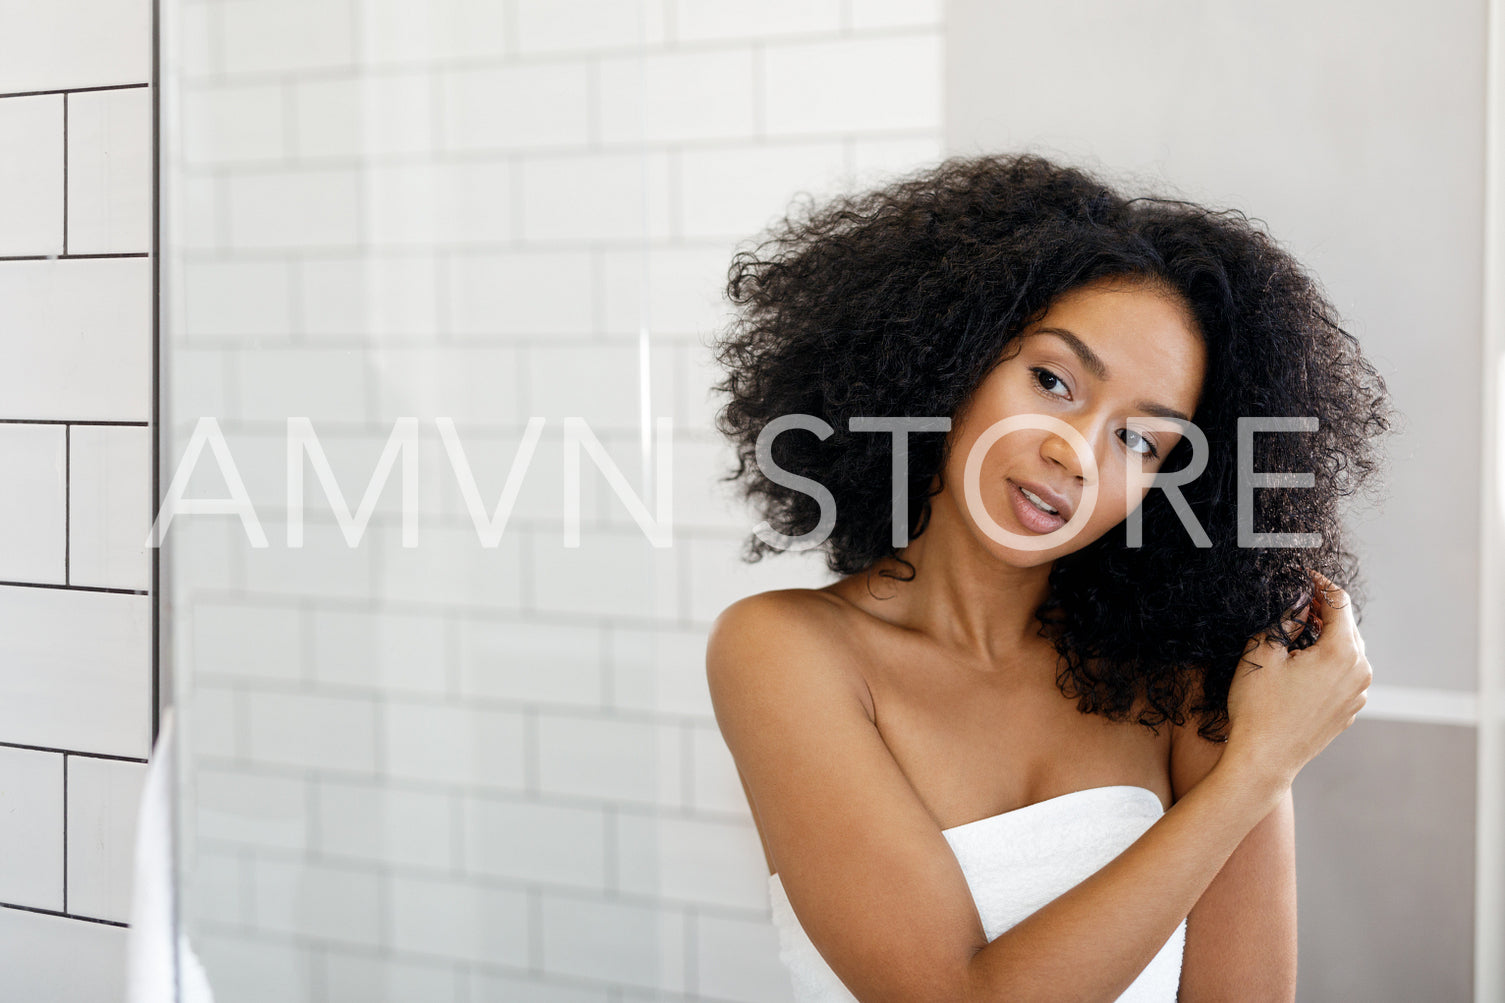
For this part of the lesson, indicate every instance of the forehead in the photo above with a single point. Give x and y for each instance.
(1144, 334)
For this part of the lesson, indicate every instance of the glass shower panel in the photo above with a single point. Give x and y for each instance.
(425, 748)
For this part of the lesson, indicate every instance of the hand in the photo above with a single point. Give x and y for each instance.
(1285, 706)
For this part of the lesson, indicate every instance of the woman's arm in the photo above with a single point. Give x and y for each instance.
(1241, 934)
(872, 878)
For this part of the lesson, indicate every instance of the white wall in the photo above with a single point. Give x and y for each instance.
(76, 331)
(455, 773)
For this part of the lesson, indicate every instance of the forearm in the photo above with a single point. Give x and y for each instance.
(1126, 912)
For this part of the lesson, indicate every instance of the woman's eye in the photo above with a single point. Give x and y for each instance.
(1138, 443)
(1049, 381)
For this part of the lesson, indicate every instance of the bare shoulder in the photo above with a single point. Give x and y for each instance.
(858, 854)
(787, 638)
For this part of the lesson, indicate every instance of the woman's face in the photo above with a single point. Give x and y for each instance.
(1111, 360)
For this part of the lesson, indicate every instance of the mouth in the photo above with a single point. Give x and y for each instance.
(1049, 502)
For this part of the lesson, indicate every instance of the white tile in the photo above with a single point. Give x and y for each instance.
(494, 987)
(277, 36)
(738, 959)
(74, 43)
(531, 293)
(110, 506)
(370, 297)
(385, 826)
(896, 13)
(677, 96)
(324, 566)
(202, 553)
(718, 577)
(424, 204)
(659, 671)
(536, 662)
(243, 970)
(541, 498)
(196, 26)
(595, 197)
(473, 385)
(674, 291)
(213, 890)
(589, 578)
(528, 841)
(235, 298)
(585, 25)
(209, 729)
(737, 192)
(697, 20)
(398, 31)
(32, 507)
(451, 566)
(699, 401)
(193, 220)
(692, 860)
(77, 338)
(110, 171)
(516, 107)
(104, 796)
(853, 85)
(261, 457)
(371, 115)
(638, 945)
(31, 828)
(460, 746)
(600, 384)
(717, 786)
(233, 124)
(52, 958)
(238, 641)
(385, 980)
(321, 384)
(311, 208)
(193, 385)
(388, 651)
(31, 174)
(877, 161)
(459, 920)
(701, 498)
(615, 760)
(240, 807)
(317, 901)
(76, 670)
(313, 732)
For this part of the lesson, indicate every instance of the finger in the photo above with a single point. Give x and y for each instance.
(1333, 606)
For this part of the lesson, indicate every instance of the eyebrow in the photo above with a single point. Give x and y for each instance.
(1099, 369)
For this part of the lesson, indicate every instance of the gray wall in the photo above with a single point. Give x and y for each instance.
(1356, 132)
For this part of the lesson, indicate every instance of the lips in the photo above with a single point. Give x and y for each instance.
(1054, 499)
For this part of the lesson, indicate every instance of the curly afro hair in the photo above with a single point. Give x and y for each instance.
(899, 301)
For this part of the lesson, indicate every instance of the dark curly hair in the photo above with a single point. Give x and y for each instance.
(900, 301)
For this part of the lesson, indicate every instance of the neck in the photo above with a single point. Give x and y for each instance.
(963, 595)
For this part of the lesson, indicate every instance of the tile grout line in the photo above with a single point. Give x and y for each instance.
(65, 833)
(65, 91)
(65, 172)
(67, 495)
(73, 752)
(62, 915)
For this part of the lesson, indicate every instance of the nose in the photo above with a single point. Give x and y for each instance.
(1058, 450)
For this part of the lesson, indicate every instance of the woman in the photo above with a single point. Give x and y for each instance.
(1027, 747)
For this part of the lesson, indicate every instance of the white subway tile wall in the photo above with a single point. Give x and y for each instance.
(455, 772)
(76, 442)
